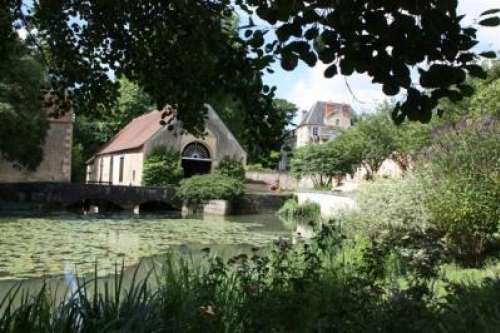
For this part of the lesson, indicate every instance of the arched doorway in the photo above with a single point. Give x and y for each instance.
(196, 159)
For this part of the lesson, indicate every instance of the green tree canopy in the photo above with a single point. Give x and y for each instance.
(23, 122)
(182, 51)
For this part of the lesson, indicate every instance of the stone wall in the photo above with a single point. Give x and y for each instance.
(330, 203)
(259, 203)
(285, 181)
(56, 164)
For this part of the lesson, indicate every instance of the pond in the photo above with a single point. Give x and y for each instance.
(33, 249)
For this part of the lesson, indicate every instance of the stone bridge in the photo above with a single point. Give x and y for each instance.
(90, 196)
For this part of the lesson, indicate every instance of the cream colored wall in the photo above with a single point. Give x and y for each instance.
(132, 169)
(344, 120)
(303, 136)
(56, 163)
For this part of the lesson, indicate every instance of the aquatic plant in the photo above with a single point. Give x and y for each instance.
(308, 212)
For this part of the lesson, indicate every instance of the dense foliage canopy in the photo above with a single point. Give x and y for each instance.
(23, 121)
(182, 52)
(172, 48)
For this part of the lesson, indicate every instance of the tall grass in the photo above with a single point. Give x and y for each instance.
(326, 285)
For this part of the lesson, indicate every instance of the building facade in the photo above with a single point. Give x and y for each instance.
(56, 163)
(323, 122)
(121, 160)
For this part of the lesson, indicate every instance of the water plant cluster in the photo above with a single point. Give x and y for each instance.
(306, 213)
(330, 284)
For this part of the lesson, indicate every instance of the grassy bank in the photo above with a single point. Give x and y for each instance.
(327, 285)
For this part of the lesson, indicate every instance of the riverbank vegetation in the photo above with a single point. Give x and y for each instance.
(329, 284)
(308, 212)
(202, 188)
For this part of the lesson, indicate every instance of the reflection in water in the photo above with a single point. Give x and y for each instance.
(70, 244)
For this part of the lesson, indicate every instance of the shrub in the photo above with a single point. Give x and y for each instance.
(198, 189)
(462, 184)
(387, 204)
(307, 212)
(162, 167)
(232, 168)
(452, 200)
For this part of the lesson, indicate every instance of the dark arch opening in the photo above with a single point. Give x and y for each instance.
(156, 206)
(105, 206)
(196, 160)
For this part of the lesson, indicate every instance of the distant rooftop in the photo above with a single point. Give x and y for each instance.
(321, 110)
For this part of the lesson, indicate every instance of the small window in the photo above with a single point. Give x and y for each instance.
(101, 169)
(122, 164)
(337, 122)
(315, 131)
(111, 170)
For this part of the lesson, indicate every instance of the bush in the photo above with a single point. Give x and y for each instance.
(162, 167)
(198, 189)
(452, 200)
(307, 212)
(462, 184)
(258, 167)
(232, 168)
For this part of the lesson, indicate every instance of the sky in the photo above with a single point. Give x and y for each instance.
(304, 86)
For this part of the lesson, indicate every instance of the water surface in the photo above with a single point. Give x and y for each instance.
(36, 247)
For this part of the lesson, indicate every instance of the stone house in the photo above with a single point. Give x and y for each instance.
(56, 163)
(121, 160)
(323, 122)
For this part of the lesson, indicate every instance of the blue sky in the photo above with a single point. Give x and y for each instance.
(306, 85)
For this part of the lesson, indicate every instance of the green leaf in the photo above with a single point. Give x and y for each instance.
(289, 61)
(477, 71)
(490, 11)
(490, 22)
(331, 71)
(489, 54)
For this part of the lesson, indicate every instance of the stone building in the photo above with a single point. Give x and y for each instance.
(56, 163)
(323, 122)
(121, 160)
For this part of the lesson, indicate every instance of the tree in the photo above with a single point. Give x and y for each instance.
(141, 40)
(382, 38)
(261, 139)
(93, 130)
(375, 141)
(23, 120)
(322, 162)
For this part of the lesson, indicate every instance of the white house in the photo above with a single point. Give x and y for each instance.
(323, 122)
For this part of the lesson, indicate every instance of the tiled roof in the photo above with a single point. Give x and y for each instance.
(135, 134)
(316, 115)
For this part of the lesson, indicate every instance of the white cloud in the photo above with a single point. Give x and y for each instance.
(363, 95)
